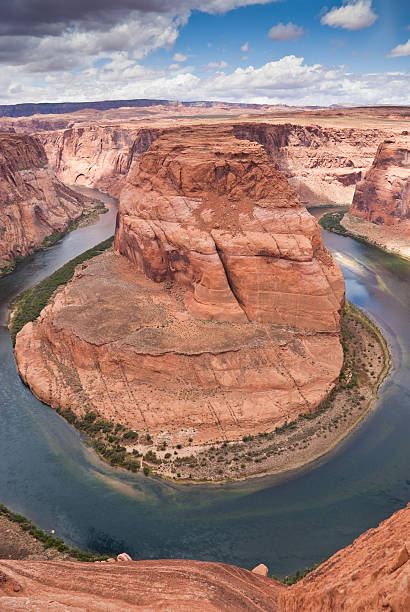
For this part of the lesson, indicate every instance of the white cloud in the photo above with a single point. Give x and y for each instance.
(401, 50)
(355, 15)
(245, 47)
(180, 57)
(282, 32)
(174, 67)
(289, 80)
(74, 35)
(221, 64)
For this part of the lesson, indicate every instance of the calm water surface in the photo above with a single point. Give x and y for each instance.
(48, 473)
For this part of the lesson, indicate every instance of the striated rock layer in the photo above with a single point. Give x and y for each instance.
(94, 155)
(383, 197)
(33, 202)
(323, 164)
(370, 575)
(222, 316)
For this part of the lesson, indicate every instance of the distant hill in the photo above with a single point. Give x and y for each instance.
(46, 108)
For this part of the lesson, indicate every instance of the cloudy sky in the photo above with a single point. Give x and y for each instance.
(267, 51)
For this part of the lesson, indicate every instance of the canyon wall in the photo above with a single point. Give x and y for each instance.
(383, 196)
(94, 155)
(219, 313)
(370, 575)
(33, 202)
(323, 164)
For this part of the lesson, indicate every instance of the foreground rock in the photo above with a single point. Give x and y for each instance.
(371, 574)
(221, 318)
(383, 197)
(33, 202)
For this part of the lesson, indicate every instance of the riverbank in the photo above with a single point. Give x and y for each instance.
(385, 238)
(312, 435)
(295, 444)
(90, 214)
(21, 539)
(27, 306)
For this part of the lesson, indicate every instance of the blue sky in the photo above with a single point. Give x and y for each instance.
(285, 51)
(360, 50)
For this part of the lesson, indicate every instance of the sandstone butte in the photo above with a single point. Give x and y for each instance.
(383, 196)
(34, 203)
(217, 315)
(370, 575)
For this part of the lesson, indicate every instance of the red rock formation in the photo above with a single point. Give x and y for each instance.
(383, 196)
(94, 155)
(220, 220)
(33, 202)
(223, 316)
(371, 574)
(323, 164)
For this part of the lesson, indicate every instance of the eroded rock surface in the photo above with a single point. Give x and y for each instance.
(94, 155)
(323, 164)
(33, 202)
(370, 575)
(220, 318)
(383, 197)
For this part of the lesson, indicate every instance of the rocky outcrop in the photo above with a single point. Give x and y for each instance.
(371, 574)
(383, 197)
(93, 155)
(323, 164)
(222, 222)
(33, 202)
(220, 318)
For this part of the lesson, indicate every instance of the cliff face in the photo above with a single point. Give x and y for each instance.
(383, 197)
(94, 155)
(322, 164)
(33, 202)
(371, 574)
(223, 315)
(222, 222)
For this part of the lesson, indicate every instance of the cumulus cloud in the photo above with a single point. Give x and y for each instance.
(400, 50)
(180, 57)
(45, 35)
(289, 80)
(282, 32)
(354, 15)
(245, 47)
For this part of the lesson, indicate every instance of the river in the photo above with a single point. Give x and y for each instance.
(48, 473)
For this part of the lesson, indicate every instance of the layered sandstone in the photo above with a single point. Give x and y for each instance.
(220, 318)
(383, 197)
(323, 164)
(371, 574)
(95, 155)
(34, 203)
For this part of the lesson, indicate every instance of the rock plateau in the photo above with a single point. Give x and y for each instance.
(219, 313)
